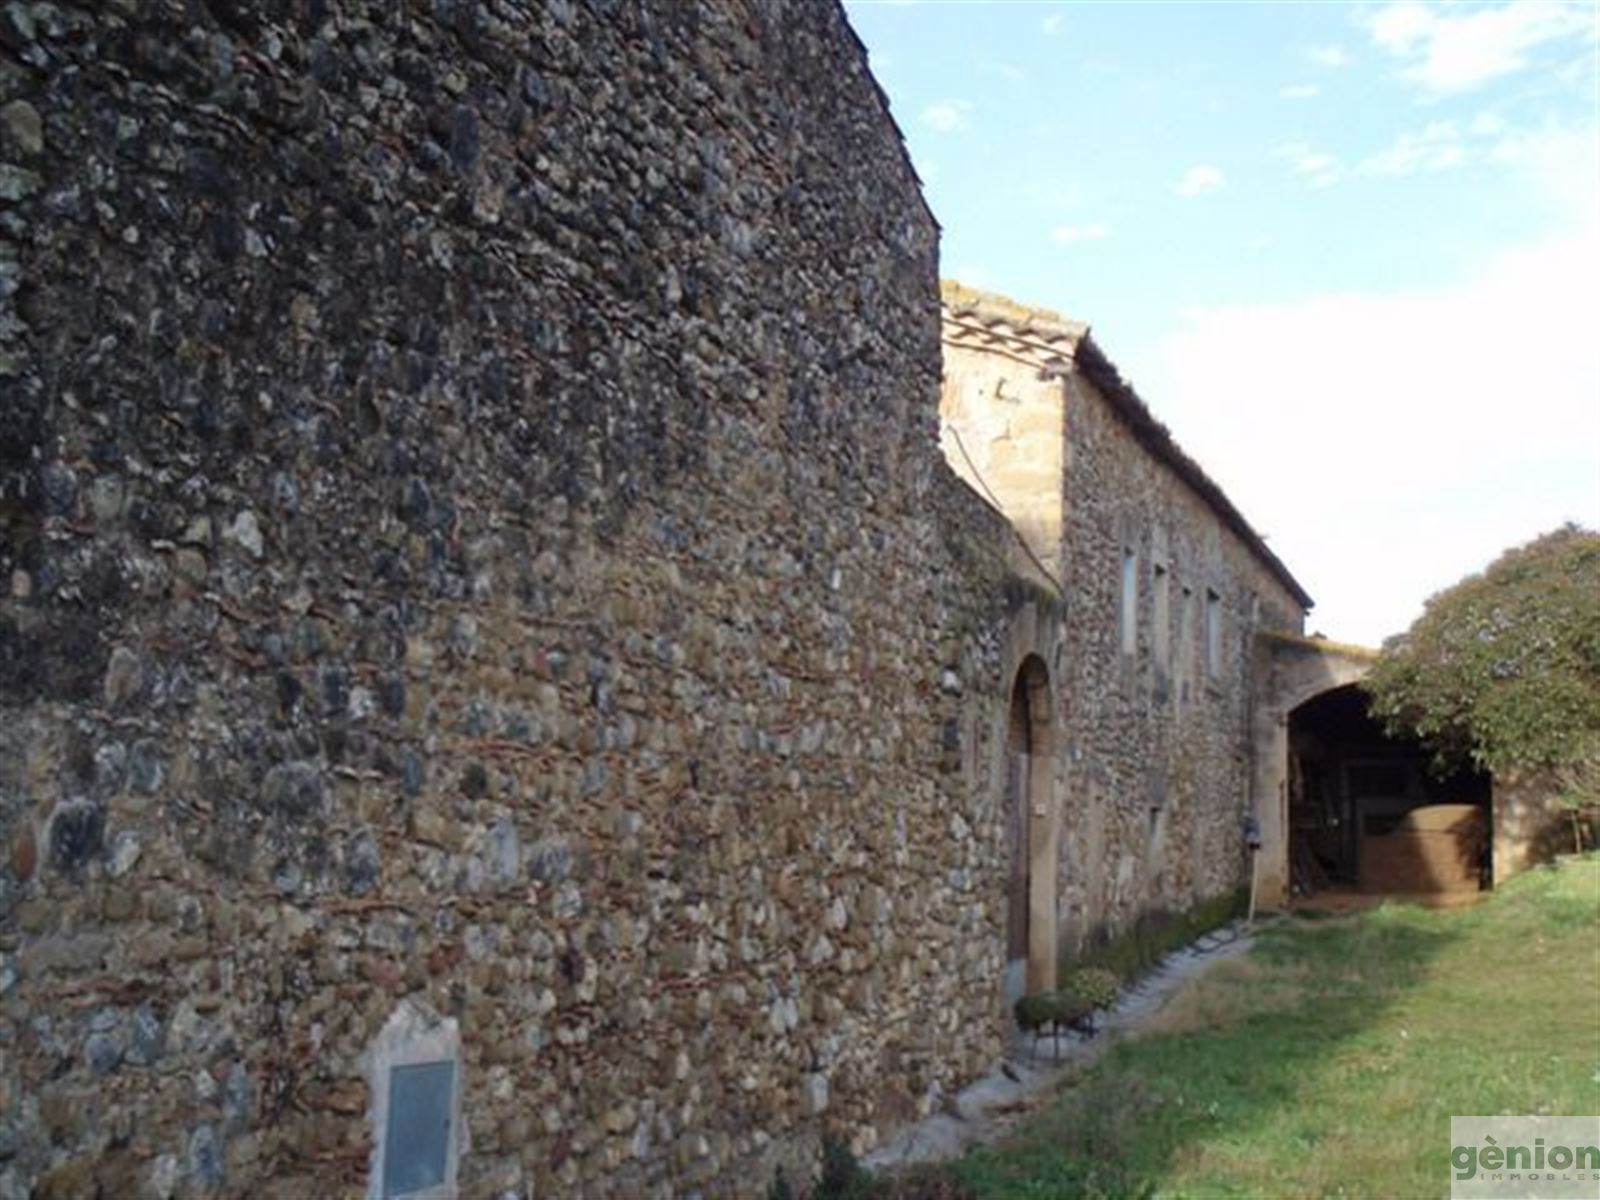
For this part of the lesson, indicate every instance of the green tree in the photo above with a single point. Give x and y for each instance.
(1502, 670)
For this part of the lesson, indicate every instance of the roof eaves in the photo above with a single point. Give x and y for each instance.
(1091, 360)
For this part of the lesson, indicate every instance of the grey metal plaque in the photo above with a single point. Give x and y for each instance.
(416, 1143)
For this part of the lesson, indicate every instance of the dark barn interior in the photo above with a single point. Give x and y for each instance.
(1367, 814)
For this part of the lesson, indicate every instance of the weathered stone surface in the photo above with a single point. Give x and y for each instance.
(69, 1181)
(24, 854)
(1165, 589)
(21, 127)
(77, 834)
(485, 543)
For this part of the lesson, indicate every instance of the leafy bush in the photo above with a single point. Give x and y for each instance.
(1094, 986)
(1502, 670)
(1051, 1010)
(1036, 1011)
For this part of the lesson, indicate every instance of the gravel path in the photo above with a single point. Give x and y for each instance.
(987, 1109)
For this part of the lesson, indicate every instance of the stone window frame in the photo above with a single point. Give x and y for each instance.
(414, 1036)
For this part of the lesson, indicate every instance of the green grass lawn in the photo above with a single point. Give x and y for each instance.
(1329, 1060)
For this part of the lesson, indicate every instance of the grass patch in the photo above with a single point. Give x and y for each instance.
(1229, 992)
(1330, 1060)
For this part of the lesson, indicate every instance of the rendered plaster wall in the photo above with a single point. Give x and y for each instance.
(472, 536)
(1158, 746)
(1001, 430)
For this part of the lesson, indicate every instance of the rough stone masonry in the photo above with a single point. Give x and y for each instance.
(475, 556)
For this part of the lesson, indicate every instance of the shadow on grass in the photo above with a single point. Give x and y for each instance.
(1225, 1068)
(1326, 1059)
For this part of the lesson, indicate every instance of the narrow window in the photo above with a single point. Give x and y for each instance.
(1185, 641)
(1130, 601)
(1161, 602)
(1213, 633)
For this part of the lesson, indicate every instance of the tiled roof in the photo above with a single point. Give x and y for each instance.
(1004, 318)
(1038, 336)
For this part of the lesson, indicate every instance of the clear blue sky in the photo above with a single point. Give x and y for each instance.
(1348, 252)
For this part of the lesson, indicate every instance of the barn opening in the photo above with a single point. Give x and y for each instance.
(1368, 815)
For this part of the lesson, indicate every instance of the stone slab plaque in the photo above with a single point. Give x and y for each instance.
(414, 1071)
(417, 1140)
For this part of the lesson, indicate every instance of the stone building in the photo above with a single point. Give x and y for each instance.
(1190, 700)
(1162, 590)
(499, 690)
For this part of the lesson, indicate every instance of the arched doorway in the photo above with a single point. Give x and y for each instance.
(1365, 812)
(1031, 833)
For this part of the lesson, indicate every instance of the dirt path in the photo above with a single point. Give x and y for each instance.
(987, 1109)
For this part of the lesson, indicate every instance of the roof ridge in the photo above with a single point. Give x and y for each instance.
(994, 308)
(1030, 329)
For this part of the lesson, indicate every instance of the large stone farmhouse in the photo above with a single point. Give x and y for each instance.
(501, 691)
(1160, 589)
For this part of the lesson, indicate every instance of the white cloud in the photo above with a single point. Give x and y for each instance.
(1448, 49)
(969, 274)
(1550, 156)
(1299, 91)
(1200, 179)
(1400, 26)
(1413, 434)
(947, 116)
(1332, 57)
(1487, 124)
(1561, 164)
(1317, 167)
(1067, 235)
(1054, 24)
(1438, 147)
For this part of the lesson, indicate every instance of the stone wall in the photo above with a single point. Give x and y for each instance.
(1155, 761)
(1158, 739)
(1531, 824)
(476, 556)
(1001, 424)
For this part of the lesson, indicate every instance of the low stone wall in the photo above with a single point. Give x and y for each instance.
(1531, 825)
(478, 575)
